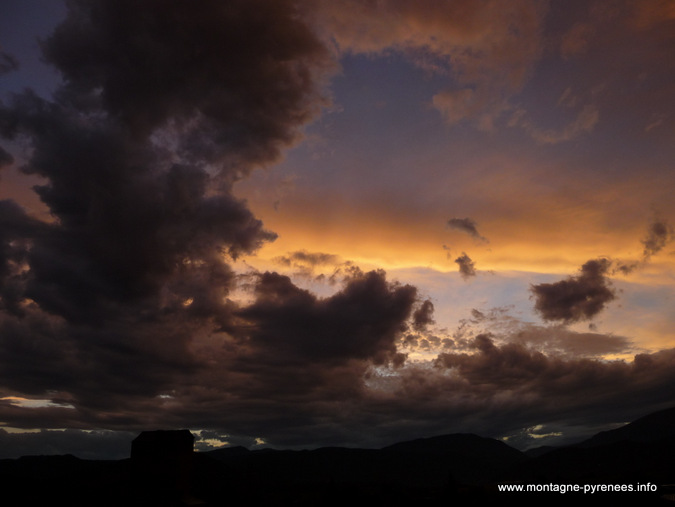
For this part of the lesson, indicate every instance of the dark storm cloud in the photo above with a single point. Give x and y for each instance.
(362, 321)
(163, 106)
(489, 382)
(492, 388)
(625, 268)
(129, 218)
(468, 226)
(305, 263)
(467, 267)
(423, 316)
(16, 232)
(131, 211)
(236, 79)
(314, 258)
(520, 376)
(96, 368)
(6, 158)
(302, 257)
(294, 361)
(659, 234)
(578, 297)
(7, 63)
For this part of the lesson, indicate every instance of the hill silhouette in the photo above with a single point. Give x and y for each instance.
(650, 428)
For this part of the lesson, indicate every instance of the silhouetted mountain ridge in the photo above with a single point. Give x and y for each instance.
(458, 443)
(535, 452)
(461, 468)
(237, 450)
(650, 428)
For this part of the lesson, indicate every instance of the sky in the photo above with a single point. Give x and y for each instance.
(297, 224)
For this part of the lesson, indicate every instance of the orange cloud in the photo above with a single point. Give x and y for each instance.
(488, 47)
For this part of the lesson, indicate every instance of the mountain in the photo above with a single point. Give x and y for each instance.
(228, 452)
(641, 452)
(650, 428)
(658, 426)
(424, 463)
(458, 469)
(460, 443)
(535, 452)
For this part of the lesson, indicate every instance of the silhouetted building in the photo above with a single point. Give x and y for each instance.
(162, 461)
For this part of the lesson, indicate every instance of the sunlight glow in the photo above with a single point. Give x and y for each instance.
(17, 401)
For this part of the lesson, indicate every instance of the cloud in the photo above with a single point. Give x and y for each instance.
(307, 261)
(511, 365)
(562, 341)
(150, 129)
(423, 316)
(516, 376)
(467, 267)
(488, 48)
(495, 383)
(576, 40)
(157, 116)
(467, 103)
(585, 122)
(511, 379)
(235, 96)
(6, 158)
(577, 298)
(625, 268)
(659, 234)
(467, 225)
(557, 340)
(7, 63)
(16, 232)
(362, 321)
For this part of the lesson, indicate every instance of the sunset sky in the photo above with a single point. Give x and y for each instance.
(353, 222)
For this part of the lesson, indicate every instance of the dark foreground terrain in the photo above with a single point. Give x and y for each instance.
(458, 469)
